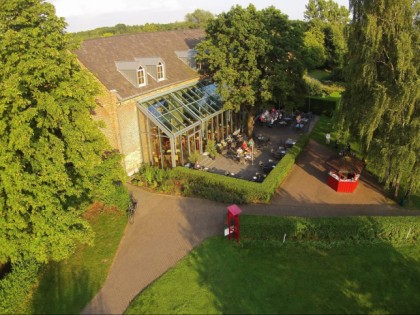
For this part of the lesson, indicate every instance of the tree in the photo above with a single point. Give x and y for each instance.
(199, 16)
(282, 66)
(381, 103)
(315, 56)
(250, 55)
(53, 158)
(327, 18)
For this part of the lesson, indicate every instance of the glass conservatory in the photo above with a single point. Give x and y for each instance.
(180, 122)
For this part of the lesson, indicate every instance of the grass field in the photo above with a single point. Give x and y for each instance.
(319, 74)
(220, 277)
(66, 287)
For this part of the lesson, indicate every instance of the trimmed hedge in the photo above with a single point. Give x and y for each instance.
(321, 105)
(232, 190)
(391, 229)
(15, 287)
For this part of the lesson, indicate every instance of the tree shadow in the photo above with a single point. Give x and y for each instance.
(62, 292)
(265, 277)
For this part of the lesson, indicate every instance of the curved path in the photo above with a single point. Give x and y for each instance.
(166, 228)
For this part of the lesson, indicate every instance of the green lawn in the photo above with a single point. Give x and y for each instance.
(220, 277)
(67, 287)
(319, 74)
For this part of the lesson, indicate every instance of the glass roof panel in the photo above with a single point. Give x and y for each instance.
(181, 109)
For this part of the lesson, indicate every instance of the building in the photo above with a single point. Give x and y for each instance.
(155, 107)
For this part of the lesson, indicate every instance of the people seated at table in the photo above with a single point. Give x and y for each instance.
(244, 146)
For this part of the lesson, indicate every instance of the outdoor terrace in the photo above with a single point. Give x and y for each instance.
(266, 150)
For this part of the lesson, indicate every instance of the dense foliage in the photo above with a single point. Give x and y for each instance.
(380, 106)
(254, 57)
(17, 285)
(120, 29)
(53, 158)
(325, 36)
(196, 19)
(330, 230)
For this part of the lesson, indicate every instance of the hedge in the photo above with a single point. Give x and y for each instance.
(320, 105)
(232, 190)
(16, 286)
(345, 229)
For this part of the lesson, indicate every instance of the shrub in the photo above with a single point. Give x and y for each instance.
(345, 229)
(152, 177)
(15, 286)
(190, 182)
(194, 157)
(211, 148)
(232, 190)
(321, 105)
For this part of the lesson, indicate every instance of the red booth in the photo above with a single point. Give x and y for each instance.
(344, 174)
(233, 222)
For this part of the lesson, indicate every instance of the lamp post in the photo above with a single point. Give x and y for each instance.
(251, 144)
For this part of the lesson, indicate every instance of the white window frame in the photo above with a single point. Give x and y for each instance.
(161, 66)
(143, 74)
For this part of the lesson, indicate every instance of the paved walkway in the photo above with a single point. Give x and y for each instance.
(166, 228)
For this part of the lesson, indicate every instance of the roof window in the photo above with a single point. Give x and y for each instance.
(160, 72)
(141, 77)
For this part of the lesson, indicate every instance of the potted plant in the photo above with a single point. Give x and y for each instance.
(194, 157)
(211, 148)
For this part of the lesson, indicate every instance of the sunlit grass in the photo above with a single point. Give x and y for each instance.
(220, 277)
(319, 74)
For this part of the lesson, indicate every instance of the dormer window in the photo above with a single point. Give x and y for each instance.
(141, 77)
(160, 72)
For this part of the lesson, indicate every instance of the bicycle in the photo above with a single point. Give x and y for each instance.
(132, 208)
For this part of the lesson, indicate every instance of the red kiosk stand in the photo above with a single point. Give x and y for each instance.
(345, 174)
(343, 183)
(232, 231)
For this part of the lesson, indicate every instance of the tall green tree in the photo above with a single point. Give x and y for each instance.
(250, 55)
(326, 26)
(315, 56)
(232, 49)
(282, 67)
(53, 158)
(381, 103)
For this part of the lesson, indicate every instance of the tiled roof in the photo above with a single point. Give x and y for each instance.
(99, 56)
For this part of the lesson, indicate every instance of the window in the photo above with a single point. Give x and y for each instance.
(141, 78)
(160, 73)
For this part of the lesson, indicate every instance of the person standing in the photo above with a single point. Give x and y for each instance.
(328, 138)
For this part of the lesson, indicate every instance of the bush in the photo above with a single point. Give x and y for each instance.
(321, 105)
(15, 287)
(211, 148)
(152, 177)
(232, 190)
(194, 157)
(190, 182)
(218, 187)
(391, 229)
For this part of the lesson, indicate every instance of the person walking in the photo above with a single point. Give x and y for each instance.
(328, 138)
